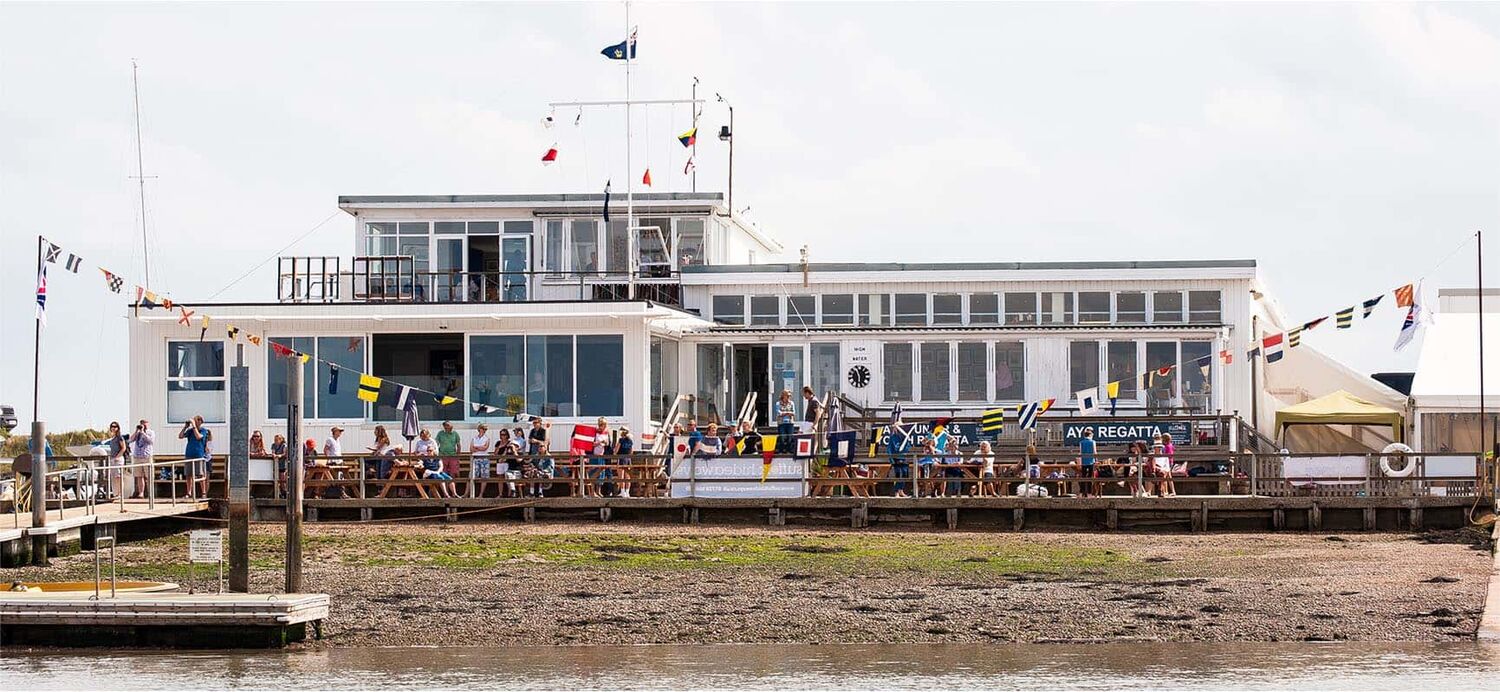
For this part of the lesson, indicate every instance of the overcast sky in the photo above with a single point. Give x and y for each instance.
(1346, 147)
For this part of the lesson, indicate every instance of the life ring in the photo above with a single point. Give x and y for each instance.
(1403, 450)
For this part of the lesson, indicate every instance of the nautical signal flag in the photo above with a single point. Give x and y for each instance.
(1294, 337)
(253, 339)
(232, 332)
(582, 441)
(617, 51)
(52, 252)
(114, 282)
(333, 379)
(550, 157)
(1112, 390)
(41, 295)
(1344, 319)
(606, 201)
(688, 167)
(1272, 347)
(1313, 324)
(1408, 327)
(1371, 303)
(688, 138)
(185, 316)
(1405, 296)
(646, 179)
(369, 388)
(1026, 415)
(446, 401)
(281, 350)
(679, 449)
(1226, 356)
(992, 420)
(1088, 400)
(804, 447)
(73, 263)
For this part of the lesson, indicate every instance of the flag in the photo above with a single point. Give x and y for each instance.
(550, 157)
(1112, 390)
(304, 358)
(688, 167)
(765, 465)
(896, 414)
(1408, 327)
(940, 431)
(145, 298)
(583, 439)
(166, 303)
(689, 138)
(578, 119)
(1313, 324)
(617, 51)
(186, 316)
(73, 263)
(1088, 400)
(203, 333)
(1272, 347)
(548, 121)
(646, 179)
(52, 252)
(446, 401)
(1226, 356)
(483, 408)
(1344, 319)
(41, 294)
(253, 339)
(1371, 303)
(804, 447)
(353, 344)
(333, 379)
(281, 350)
(993, 420)
(1405, 296)
(369, 388)
(679, 449)
(114, 283)
(1026, 415)
(404, 398)
(1294, 337)
(1045, 405)
(841, 446)
(1253, 353)
(232, 332)
(606, 201)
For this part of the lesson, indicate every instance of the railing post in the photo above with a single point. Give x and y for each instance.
(1254, 462)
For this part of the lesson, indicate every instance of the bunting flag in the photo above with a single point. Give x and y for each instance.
(896, 414)
(304, 358)
(1313, 324)
(1112, 390)
(281, 350)
(145, 298)
(1344, 319)
(446, 401)
(369, 388)
(1294, 337)
(232, 332)
(646, 179)
(254, 339)
(73, 263)
(606, 201)
(1226, 356)
(1045, 405)
(52, 252)
(1272, 347)
(333, 379)
(841, 446)
(1088, 400)
(166, 303)
(578, 119)
(689, 138)
(582, 442)
(1408, 327)
(114, 283)
(1370, 305)
(804, 447)
(550, 157)
(204, 331)
(484, 408)
(1405, 296)
(767, 452)
(617, 51)
(1253, 353)
(688, 167)
(41, 295)
(354, 343)
(548, 121)
(1026, 415)
(185, 317)
(993, 420)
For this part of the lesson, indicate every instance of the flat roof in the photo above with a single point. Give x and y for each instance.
(790, 268)
(538, 199)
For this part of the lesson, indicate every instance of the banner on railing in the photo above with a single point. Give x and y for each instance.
(738, 477)
(1124, 432)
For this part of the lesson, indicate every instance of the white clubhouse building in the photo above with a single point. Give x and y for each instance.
(525, 303)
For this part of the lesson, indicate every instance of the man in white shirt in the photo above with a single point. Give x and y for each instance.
(332, 449)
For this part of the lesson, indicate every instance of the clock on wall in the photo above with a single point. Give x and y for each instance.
(859, 377)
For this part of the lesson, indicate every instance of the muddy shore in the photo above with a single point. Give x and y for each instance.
(478, 584)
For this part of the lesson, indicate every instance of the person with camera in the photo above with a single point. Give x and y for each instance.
(195, 452)
(142, 447)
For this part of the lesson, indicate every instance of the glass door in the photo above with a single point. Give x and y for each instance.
(448, 268)
(515, 261)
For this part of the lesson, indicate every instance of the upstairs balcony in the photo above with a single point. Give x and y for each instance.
(396, 279)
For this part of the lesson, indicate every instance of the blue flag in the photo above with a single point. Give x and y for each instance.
(333, 379)
(617, 51)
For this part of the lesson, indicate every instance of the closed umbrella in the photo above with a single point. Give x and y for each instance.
(407, 403)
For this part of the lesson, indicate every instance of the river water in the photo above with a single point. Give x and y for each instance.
(1112, 666)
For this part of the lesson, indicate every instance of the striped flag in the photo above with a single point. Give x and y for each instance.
(583, 439)
(41, 294)
(1371, 303)
(369, 388)
(896, 415)
(993, 420)
(73, 263)
(1026, 415)
(1405, 296)
(1344, 319)
(1294, 337)
(1271, 346)
(1408, 327)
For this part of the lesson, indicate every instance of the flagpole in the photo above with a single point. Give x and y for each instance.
(36, 355)
(694, 156)
(1484, 446)
(629, 168)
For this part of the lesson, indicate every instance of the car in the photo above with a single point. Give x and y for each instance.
(8, 420)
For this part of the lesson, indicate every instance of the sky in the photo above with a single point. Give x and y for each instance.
(1348, 148)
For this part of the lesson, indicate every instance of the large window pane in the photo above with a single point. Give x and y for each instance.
(1057, 308)
(617, 247)
(498, 376)
(898, 372)
(838, 308)
(585, 246)
(1130, 307)
(652, 245)
(549, 376)
(935, 384)
(663, 376)
(1020, 308)
(984, 308)
(1122, 366)
(552, 247)
(825, 369)
(1010, 371)
(691, 248)
(348, 352)
(1204, 307)
(1093, 306)
(729, 309)
(277, 373)
(601, 379)
(874, 309)
(801, 311)
(195, 381)
(1197, 375)
(710, 381)
(195, 359)
(432, 362)
(787, 371)
(765, 310)
(1083, 365)
(1166, 307)
(947, 308)
(1162, 388)
(414, 247)
(911, 309)
(973, 379)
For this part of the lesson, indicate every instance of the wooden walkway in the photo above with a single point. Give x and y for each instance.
(63, 534)
(159, 619)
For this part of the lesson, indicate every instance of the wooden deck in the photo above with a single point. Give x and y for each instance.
(77, 525)
(159, 619)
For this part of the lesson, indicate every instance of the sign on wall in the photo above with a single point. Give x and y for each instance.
(967, 434)
(1124, 432)
(860, 371)
(737, 477)
(206, 546)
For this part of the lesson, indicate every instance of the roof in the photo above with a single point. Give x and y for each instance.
(531, 200)
(790, 268)
(1448, 367)
(1338, 408)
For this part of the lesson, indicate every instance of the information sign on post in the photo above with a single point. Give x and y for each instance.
(206, 547)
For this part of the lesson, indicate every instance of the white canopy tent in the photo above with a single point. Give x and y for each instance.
(1445, 390)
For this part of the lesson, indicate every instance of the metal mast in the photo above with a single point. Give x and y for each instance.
(140, 174)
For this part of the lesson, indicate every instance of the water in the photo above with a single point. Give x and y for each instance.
(1112, 666)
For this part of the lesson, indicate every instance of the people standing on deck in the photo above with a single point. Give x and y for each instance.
(985, 457)
(953, 468)
(624, 447)
(1086, 463)
(813, 408)
(926, 464)
(332, 448)
(378, 466)
(447, 449)
(786, 421)
(900, 466)
(479, 454)
(195, 451)
(598, 471)
(1167, 463)
(142, 447)
(709, 445)
(119, 453)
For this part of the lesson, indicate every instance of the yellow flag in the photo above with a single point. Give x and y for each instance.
(304, 358)
(369, 388)
(447, 400)
(767, 443)
(1112, 390)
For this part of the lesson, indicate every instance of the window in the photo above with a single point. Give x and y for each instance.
(663, 376)
(1020, 308)
(898, 372)
(414, 247)
(552, 247)
(947, 308)
(838, 308)
(1122, 366)
(691, 249)
(1093, 306)
(765, 310)
(1204, 307)
(1161, 388)
(1166, 307)
(710, 381)
(1010, 371)
(652, 244)
(431, 362)
(448, 227)
(601, 384)
(488, 227)
(935, 384)
(911, 309)
(1083, 365)
(1197, 375)
(787, 371)
(549, 376)
(984, 308)
(1057, 308)
(1130, 307)
(801, 311)
(337, 393)
(195, 381)
(973, 380)
(825, 368)
(278, 371)
(874, 310)
(729, 309)
(585, 246)
(380, 239)
(522, 226)
(498, 374)
(617, 247)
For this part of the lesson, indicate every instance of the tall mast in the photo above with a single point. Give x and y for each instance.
(694, 156)
(140, 173)
(629, 168)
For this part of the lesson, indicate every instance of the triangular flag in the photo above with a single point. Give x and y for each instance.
(646, 179)
(550, 157)
(1370, 304)
(114, 283)
(689, 138)
(166, 303)
(304, 358)
(281, 350)
(446, 401)
(253, 339)
(1045, 405)
(1313, 324)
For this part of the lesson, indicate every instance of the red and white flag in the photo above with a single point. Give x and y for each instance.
(1270, 347)
(1227, 356)
(583, 439)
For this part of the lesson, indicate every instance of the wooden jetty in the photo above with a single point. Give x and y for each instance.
(177, 620)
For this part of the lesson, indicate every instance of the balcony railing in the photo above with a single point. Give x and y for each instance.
(395, 280)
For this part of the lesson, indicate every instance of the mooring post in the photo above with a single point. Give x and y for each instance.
(294, 475)
(239, 473)
(39, 466)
